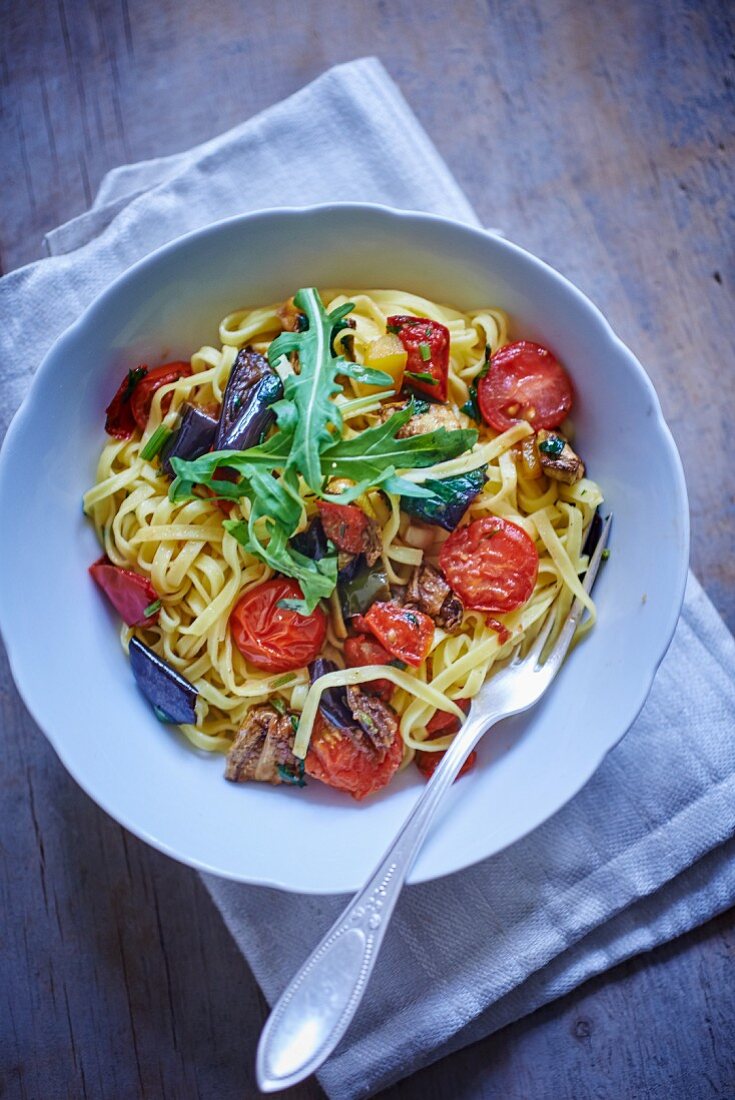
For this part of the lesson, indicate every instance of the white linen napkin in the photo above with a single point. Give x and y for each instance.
(642, 854)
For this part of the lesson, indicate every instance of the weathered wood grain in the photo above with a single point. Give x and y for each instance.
(601, 137)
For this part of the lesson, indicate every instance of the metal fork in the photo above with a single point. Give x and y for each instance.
(317, 1006)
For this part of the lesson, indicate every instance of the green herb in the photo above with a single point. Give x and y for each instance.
(425, 352)
(395, 663)
(306, 410)
(605, 554)
(278, 704)
(294, 723)
(282, 680)
(551, 446)
(428, 330)
(411, 618)
(308, 444)
(393, 329)
(156, 442)
(449, 500)
(471, 407)
(422, 376)
(152, 608)
(294, 780)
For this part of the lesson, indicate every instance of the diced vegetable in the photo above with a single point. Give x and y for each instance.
(557, 458)
(140, 402)
(193, 438)
(246, 414)
(333, 701)
(351, 531)
(363, 590)
(169, 693)
(530, 464)
(312, 542)
(440, 725)
(132, 595)
(388, 354)
(119, 421)
(451, 498)
(364, 650)
(427, 346)
(405, 632)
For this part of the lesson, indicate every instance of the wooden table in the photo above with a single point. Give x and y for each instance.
(600, 136)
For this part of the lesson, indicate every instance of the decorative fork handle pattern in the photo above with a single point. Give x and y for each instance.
(316, 1008)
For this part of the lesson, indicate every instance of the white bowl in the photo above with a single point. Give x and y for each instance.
(63, 640)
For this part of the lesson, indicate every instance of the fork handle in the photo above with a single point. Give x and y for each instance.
(314, 1011)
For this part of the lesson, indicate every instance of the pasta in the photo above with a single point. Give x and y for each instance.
(200, 570)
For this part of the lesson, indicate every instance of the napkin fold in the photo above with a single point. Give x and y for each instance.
(643, 853)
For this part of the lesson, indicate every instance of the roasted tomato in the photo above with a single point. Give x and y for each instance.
(347, 526)
(128, 592)
(427, 350)
(364, 650)
(524, 382)
(140, 402)
(440, 725)
(272, 637)
(119, 419)
(405, 632)
(341, 761)
(491, 564)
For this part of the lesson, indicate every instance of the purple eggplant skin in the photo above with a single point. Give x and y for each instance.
(192, 439)
(169, 693)
(333, 701)
(312, 542)
(593, 534)
(252, 388)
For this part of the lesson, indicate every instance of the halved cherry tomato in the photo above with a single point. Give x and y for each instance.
(405, 632)
(346, 525)
(427, 349)
(364, 650)
(491, 564)
(140, 403)
(440, 725)
(272, 637)
(340, 762)
(128, 592)
(119, 419)
(524, 382)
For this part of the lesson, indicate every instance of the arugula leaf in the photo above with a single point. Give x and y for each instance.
(317, 579)
(306, 410)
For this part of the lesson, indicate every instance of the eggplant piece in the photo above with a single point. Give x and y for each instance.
(312, 542)
(360, 593)
(593, 534)
(451, 498)
(333, 702)
(350, 569)
(169, 693)
(192, 439)
(251, 389)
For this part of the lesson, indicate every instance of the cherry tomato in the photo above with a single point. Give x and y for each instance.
(119, 420)
(346, 525)
(524, 382)
(443, 722)
(272, 637)
(427, 349)
(405, 632)
(140, 402)
(491, 564)
(440, 725)
(364, 650)
(128, 592)
(339, 762)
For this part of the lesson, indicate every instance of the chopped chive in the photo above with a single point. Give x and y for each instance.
(278, 704)
(605, 553)
(152, 608)
(394, 329)
(425, 352)
(283, 680)
(422, 376)
(156, 442)
(295, 723)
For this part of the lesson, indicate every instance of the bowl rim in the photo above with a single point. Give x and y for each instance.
(644, 681)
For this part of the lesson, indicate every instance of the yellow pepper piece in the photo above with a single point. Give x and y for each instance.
(387, 353)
